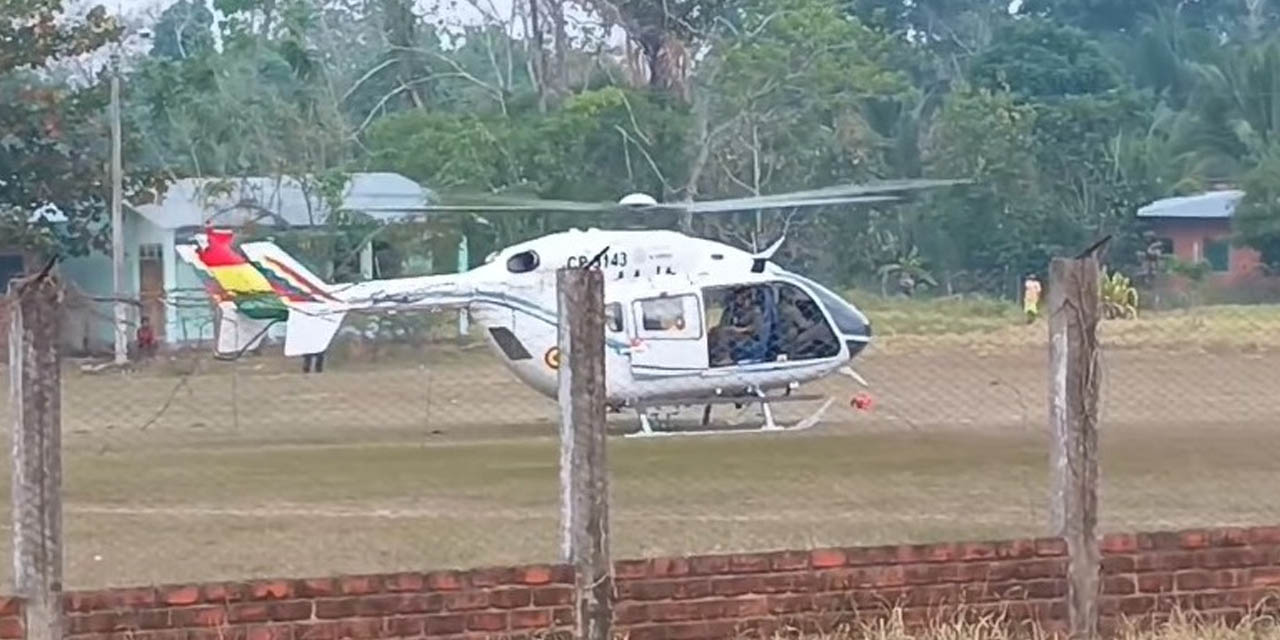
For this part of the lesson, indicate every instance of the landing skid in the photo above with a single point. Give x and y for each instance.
(647, 423)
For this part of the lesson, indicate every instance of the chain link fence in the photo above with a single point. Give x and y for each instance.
(1189, 418)
(412, 444)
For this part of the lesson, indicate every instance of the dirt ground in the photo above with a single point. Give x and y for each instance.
(222, 471)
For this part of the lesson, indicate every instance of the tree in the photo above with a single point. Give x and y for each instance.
(1035, 58)
(52, 137)
(997, 222)
(598, 145)
(782, 104)
(1083, 109)
(184, 30)
(668, 34)
(1257, 221)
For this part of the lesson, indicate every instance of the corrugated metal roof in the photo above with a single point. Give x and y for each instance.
(192, 202)
(1211, 204)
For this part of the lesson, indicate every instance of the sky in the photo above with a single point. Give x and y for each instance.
(142, 14)
(463, 12)
(456, 12)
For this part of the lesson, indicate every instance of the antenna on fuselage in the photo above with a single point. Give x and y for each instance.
(596, 260)
(758, 260)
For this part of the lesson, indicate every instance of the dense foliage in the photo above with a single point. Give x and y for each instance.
(1067, 114)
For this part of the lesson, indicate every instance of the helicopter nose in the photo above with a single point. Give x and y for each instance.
(857, 345)
(859, 337)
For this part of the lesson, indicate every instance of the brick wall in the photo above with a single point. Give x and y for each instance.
(11, 617)
(1220, 572)
(510, 602)
(820, 590)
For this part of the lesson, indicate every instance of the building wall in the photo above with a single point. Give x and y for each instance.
(188, 316)
(1222, 573)
(89, 323)
(1189, 238)
(191, 319)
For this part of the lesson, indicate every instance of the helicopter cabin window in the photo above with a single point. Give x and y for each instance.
(766, 322)
(613, 317)
(669, 318)
(523, 262)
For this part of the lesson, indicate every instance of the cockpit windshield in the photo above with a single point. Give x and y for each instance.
(848, 320)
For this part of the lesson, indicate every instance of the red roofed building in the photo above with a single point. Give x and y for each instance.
(1198, 229)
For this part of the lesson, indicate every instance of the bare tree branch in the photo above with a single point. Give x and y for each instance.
(404, 86)
(459, 72)
(364, 78)
(652, 165)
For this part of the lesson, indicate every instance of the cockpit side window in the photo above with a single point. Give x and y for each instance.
(804, 332)
(613, 317)
(847, 320)
(523, 262)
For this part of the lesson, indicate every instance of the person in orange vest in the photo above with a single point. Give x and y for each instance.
(1031, 297)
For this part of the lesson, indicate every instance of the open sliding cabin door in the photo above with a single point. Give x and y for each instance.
(669, 335)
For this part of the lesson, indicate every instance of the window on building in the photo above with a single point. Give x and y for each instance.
(11, 266)
(150, 252)
(1217, 252)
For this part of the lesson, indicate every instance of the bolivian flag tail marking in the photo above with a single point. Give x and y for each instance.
(206, 276)
(230, 267)
(243, 283)
(292, 283)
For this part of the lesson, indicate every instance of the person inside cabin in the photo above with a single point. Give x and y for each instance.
(145, 337)
(804, 330)
(741, 323)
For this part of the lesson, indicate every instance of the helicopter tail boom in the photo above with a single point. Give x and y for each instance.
(258, 284)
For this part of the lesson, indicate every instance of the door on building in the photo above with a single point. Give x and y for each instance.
(151, 286)
(11, 265)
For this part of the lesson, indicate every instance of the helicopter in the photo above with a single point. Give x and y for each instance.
(666, 347)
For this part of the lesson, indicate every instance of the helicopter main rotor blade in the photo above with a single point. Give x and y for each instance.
(510, 204)
(720, 206)
(883, 191)
(862, 188)
(713, 206)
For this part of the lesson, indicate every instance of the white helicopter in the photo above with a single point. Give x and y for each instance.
(664, 346)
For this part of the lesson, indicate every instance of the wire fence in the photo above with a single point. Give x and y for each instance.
(414, 442)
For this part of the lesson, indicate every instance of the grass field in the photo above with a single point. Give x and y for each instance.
(1180, 625)
(202, 470)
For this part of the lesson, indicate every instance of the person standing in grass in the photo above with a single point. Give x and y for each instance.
(313, 362)
(1031, 297)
